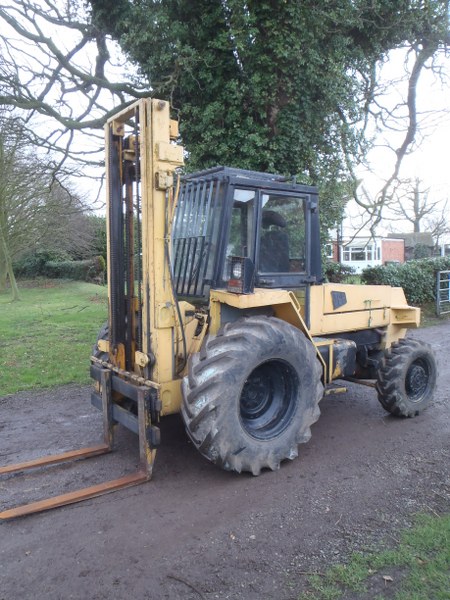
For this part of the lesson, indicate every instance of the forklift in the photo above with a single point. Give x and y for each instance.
(218, 311)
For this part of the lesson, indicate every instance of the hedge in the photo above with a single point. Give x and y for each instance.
(336, 272)
(92, 269)
(81, 270)
(416, 277)
(33, 264)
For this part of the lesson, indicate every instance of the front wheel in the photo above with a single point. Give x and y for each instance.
(406, 378)
(252, 394)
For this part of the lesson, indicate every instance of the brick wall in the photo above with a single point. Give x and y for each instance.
(335, 252)
(393, 250)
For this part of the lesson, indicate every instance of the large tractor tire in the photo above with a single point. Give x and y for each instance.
(252, 394)
(406, 378)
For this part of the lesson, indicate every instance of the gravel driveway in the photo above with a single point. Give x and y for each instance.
(196, 532)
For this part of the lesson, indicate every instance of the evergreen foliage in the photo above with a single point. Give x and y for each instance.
(337, 273)
(271, 86)
(59, 266)
(416, 277)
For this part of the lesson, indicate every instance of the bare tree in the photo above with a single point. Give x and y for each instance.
(21, 191)
(58, 68)
(411, 202)
(395, 124)
(439, 225)
(65, 226)
(35, 209)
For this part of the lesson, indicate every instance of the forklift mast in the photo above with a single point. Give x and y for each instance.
(142, 156)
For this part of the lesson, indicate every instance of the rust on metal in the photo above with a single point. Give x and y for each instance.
(77, 496)
(126, 374)
(146, 449)
(367, 382)
(335, 390)
(54, 459)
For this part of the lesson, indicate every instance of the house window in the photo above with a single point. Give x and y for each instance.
(329, 250)
(358, 253)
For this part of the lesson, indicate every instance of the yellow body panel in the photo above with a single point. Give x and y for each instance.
(170, 396)
(284, 303)
(260, 297)
(366, 307)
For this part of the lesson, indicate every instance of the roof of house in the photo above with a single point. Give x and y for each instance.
(413, 239)
(362, 242)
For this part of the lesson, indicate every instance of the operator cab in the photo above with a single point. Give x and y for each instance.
(243, 227)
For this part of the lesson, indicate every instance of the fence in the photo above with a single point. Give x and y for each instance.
(442, 292)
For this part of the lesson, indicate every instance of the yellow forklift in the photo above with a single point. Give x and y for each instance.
(218, 311)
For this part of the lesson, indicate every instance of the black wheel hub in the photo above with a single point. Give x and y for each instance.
(268, 399)
(417, 379)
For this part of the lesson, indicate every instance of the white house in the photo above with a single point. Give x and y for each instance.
(362, 252)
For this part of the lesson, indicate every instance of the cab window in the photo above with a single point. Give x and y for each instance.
(282, 234)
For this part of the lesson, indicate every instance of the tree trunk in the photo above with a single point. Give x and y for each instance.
(2, 271)
(417, 208)
(9, 268)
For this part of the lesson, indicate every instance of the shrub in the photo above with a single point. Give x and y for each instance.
(81, 270)
(421, 251)
(33, 264)
(337, 273)
(416, 277)
(57, 265)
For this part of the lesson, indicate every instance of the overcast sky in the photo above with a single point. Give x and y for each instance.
(429, 161)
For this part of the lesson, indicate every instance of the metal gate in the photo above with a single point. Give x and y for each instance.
(442, 292)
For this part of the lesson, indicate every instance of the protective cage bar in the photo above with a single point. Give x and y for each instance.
(194, 230)
(442, 292)
(146, 452)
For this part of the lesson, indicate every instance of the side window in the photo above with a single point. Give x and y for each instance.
(282, 241)
(240, 242)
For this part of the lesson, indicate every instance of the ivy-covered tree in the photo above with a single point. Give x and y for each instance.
(285, 85)
(270, 85)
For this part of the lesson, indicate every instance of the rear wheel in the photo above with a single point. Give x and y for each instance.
(407, 378)
(252, 394)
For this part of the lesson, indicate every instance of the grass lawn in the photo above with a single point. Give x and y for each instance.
(46, 339)
(418, 568)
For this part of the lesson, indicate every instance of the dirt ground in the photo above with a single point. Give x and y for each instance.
(196, 532)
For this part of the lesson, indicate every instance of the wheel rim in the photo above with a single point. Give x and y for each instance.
(268, 399)
(417, 379)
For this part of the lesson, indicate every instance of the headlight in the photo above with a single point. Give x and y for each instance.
(236, 271)
(242, 275)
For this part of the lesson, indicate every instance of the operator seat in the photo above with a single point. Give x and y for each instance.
(274, 252)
